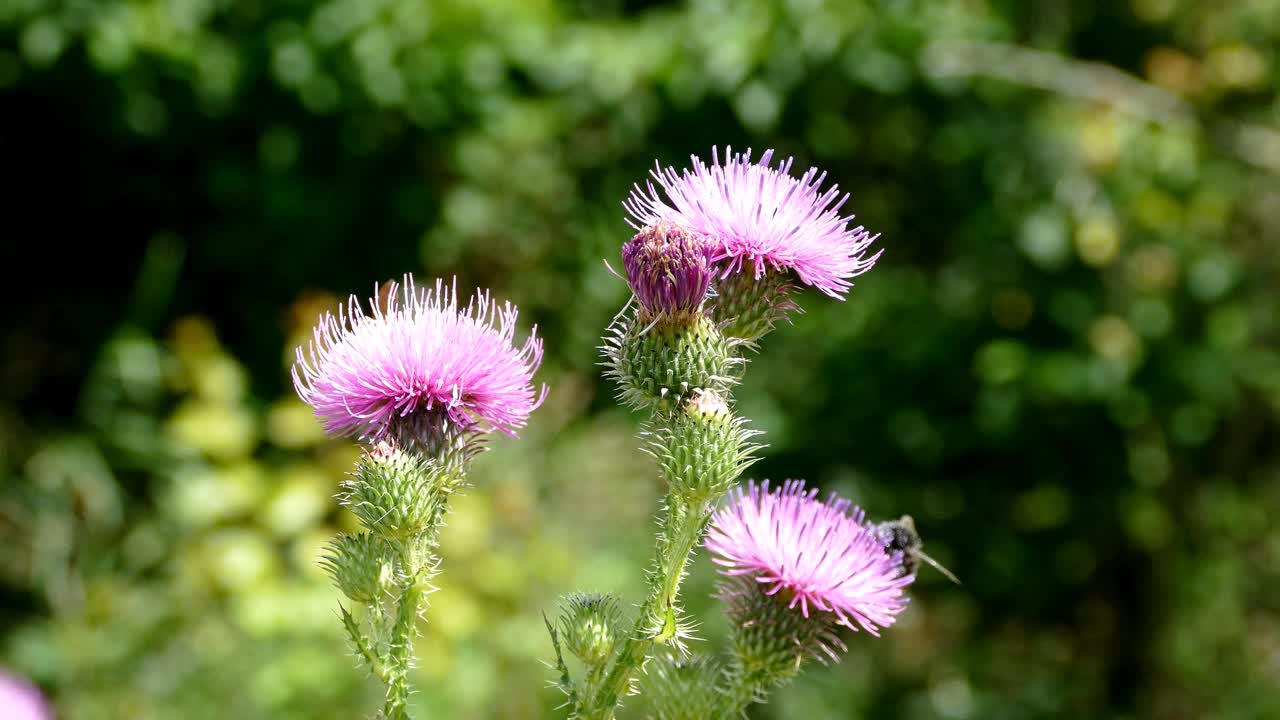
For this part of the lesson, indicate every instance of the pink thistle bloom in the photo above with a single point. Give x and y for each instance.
(823, 555)
(762, 216)
(419, 352)
(20, 700)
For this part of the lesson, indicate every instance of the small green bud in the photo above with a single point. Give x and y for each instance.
(748, 307)
(684, 689)
(399, 495)
(362, 566)
(589, 622)
(660, 364)
(701, 447)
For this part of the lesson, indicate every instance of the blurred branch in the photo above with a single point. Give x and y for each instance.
(1257, 145)
(1093, 81)
(1097, 82)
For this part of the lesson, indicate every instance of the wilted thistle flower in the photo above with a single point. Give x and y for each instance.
(762, 217)
(669, 269)
(417, 363)
(817, 557)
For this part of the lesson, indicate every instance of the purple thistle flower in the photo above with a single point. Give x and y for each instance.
(417, 353)
(20, 700)
(762, 216)
(669, 269)
(823, 555)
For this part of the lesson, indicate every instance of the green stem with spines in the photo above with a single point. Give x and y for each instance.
(656, 622)
(400, 657)
(687, 516)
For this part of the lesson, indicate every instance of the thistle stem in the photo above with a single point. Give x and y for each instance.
(400, 657)
(682, 531)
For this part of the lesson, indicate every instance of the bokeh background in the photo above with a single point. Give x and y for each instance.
(1065, 366)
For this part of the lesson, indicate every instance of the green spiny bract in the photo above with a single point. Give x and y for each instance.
(771, 640)
(747, 307)
(589, 625)
(400, 495)
(701, 447)
(659, 364)
(432, 434)
(362, 566)
(564, 682)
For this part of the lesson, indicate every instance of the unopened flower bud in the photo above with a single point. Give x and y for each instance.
(701, 447)
(361, 566)
(397, 494)
(684, 688)
(670, 270)
(661, 365)
(589, 624)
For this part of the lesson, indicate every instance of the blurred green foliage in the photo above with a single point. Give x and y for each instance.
(1065, 365)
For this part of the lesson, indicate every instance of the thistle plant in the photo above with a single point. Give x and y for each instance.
(718, 255)
(421, 382)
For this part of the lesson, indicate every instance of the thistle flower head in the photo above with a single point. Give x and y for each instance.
(420, 355)
(669, 269)
(762, 216)
(20, 700)
(822, 555)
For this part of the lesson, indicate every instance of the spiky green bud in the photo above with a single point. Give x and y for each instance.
(660, 364)
(399, 495)
(361, 565)
(748, 307)
(701, 447)
(679, 688)
(588, 622)
(770, 640)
